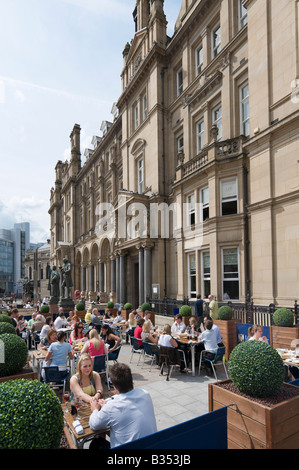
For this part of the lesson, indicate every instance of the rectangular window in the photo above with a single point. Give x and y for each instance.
(230, 273)
(216, 41)
(242, 15)
(179, 82)
(190, 210)
(217, 120)
(199, 60)
(206, 274)
(180, 144)
(192, 276)
(200, 129)
(140, 176)
(144, 106)
(205, 203)
(244, 109)
(135, 117)
(229, 196)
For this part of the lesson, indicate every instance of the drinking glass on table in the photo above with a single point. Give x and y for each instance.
(66, 397)
(78, 403)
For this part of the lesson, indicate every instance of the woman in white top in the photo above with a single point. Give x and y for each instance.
(165, 339)
(256, 332)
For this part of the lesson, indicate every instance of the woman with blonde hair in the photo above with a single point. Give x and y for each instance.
(165, 339)
(256, 332)
(146, 334)
(86, 384)
(95, 346)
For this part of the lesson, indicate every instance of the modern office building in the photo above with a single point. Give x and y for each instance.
(14, 244)
(193, 186)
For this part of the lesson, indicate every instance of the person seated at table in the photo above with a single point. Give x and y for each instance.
(256, 332)
(178, 326)
(193, 326)
(147, 318)
(147, 335)
(59, 351)
(95, 317)
(77, 334)
(86, 383)
(216, 328)
(208, 339)
(118, 318)
(50, 338)
(61, 321)
(166, 339)
(111, 339)
(87, 317)
(21, 326)
(131, 325)
(95, 346)
(138, 330)
(49, 324)
(129, 414)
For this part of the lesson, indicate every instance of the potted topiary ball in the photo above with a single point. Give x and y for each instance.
(5, 318)
(15, 354)
(7, 328)
(31, 416)
(44, 309)
(284, 333)
(256, 369)
(186, 313)
(283, 317)
(126, 310)
(128, 306)
(225, 313)
(110, 304)
(110, 308)
(80, 307)
(146, 306)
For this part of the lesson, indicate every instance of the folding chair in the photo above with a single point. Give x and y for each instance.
(218, 360)
(114, 355)
(136, 348)
(56, 378)
(100, 365)
(148, 352)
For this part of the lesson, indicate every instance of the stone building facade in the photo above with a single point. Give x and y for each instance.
(193, 187)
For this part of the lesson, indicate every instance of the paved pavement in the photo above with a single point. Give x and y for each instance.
(181, 398)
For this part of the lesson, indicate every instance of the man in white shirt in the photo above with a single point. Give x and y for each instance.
(179, 326)
(129, 414)
(61, 321)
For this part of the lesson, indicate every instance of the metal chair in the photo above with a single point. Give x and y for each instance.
(55, 378)
(136, 348)
(36, 338)
(217, 360)
(100, 365)
(169, 357)
(114, 355)
(148, 352)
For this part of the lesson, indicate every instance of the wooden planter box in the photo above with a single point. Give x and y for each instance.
(24, 374)
(228, 333)
(111, 311)
(81, 314)
(125, 314)
(282, 337)
(252, 425)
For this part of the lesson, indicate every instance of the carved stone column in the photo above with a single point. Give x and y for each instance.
(141, 273)
(148, 246)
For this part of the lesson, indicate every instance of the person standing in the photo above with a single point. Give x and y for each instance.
(213, 306)
(129, 414)
(198, 309)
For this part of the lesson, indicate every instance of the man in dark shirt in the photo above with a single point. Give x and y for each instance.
(198, 309)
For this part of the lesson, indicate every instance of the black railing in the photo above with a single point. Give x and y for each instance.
(246, 312)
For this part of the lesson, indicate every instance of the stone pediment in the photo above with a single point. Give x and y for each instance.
(137, 46)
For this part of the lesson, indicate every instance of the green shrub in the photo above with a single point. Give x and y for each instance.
(283, 317)
(31, 416)
(44, 309)
(146, 306)
(128, 306)
(7, 328)
(185, 311)
(5, 318)
(256, 369)
(15, 354)
(225, 313)
(80, 307)
(110, 304)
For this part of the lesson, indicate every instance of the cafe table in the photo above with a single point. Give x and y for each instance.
(289, 357)
(87, 434)
(191, 343)
(38, 356)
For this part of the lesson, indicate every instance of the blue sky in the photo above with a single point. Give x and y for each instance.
(60, 64)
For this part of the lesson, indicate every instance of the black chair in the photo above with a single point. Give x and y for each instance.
(218, 359)
(136, 348)
(149, 352)
(100, 365)
(113, 356)
(56, 378)
(169, 357)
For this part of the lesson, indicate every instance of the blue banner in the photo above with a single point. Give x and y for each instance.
(242, 332)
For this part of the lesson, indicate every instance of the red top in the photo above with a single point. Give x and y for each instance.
(137, 334)
(92, 351)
